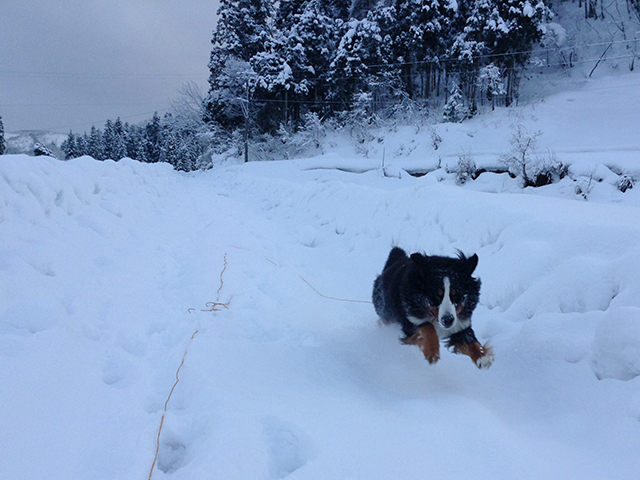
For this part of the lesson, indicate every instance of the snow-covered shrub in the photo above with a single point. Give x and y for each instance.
(533, 169)
(436, 139)
(312, 132)
(625, 183)
(547, 170)
(466, 168)
(359, 122)
(491, 83)
(455, 110)
(288, 142)
(584, 186)
(42, 150)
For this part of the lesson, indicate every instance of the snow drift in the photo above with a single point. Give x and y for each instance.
(106, 269)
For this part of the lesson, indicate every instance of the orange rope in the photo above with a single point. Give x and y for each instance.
(166, 404)
(213, 308)
(333, 298)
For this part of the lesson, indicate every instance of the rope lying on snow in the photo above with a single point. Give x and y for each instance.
(166, 403)
(211, 307)
(215, 307)
(333, 298)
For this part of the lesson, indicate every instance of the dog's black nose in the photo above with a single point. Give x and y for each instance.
(447, 320)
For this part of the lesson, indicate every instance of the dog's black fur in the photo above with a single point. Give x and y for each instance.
(411, 291)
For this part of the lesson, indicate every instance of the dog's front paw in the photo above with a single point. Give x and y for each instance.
(487, 358)
(432, 358)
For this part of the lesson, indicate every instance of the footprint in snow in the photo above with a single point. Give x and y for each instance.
(171, 456)
(289, 448)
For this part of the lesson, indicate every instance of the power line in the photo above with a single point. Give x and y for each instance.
(382, 65)
(85, 75)
(89, 124)
(58, 105)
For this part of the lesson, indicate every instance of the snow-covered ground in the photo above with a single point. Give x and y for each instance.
(106, 270)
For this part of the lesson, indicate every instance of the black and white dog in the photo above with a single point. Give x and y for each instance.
(432, 297)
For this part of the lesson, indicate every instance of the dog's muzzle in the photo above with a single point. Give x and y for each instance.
(447, 320)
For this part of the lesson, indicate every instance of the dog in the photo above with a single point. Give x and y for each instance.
(432, 298)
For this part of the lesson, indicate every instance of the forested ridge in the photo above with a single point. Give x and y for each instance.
(287, 69)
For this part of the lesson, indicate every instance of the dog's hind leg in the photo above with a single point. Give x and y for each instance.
(427, 340)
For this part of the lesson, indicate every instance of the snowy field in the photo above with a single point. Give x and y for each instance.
(106, 270)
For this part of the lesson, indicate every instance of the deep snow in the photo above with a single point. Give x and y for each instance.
(106, 269)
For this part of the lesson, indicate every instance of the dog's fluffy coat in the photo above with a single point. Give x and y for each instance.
(432, 298)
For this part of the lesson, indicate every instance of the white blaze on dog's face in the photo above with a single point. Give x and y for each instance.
(447, 315)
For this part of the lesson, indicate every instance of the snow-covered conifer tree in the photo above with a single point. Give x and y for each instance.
(292, 69)
(69, 146)
(313, 43)
(3, 144)
(240, 34)
(356, 60)
(114, 141)
(455, 110)
(95, 145)
(511, 29)
(419, 41)
(153, 139)
(81, 144)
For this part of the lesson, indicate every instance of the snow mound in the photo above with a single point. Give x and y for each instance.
(616, 346)
(106, 269)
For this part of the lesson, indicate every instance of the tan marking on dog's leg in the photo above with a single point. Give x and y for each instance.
(427, 340)
(481, 355)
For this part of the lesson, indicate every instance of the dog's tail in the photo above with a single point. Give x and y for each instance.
(397, 254)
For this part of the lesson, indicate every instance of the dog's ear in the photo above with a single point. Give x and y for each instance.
(471, 263)
(418, 258)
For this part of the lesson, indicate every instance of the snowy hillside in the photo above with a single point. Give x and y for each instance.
(25, 142)
(106, 270)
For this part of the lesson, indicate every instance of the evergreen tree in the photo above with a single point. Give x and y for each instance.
(312, 40)
(95, 145)
(292, 68)
(286, 12)
(339, 9)
(189, 152)
(420, 41)
(468, 45)
(120, 143)
(273, 83)
(81, 144)
(3, 144)
(114, 142)
(239, 32)
(153, 139)
(455, 109)
(510, 29)
(242, 30)
(169, 150)
(141, 148)
(69, 148)
(357, 61)
(359, 9)
(133, 138)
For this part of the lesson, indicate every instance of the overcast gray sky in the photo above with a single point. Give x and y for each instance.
(69, 64)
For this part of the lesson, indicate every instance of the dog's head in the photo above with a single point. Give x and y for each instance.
(443, 288)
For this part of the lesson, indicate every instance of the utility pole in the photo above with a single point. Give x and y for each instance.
(246, 123)
(244, 103)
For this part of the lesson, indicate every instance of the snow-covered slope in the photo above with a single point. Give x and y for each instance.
(26, 141)
(106, 270)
